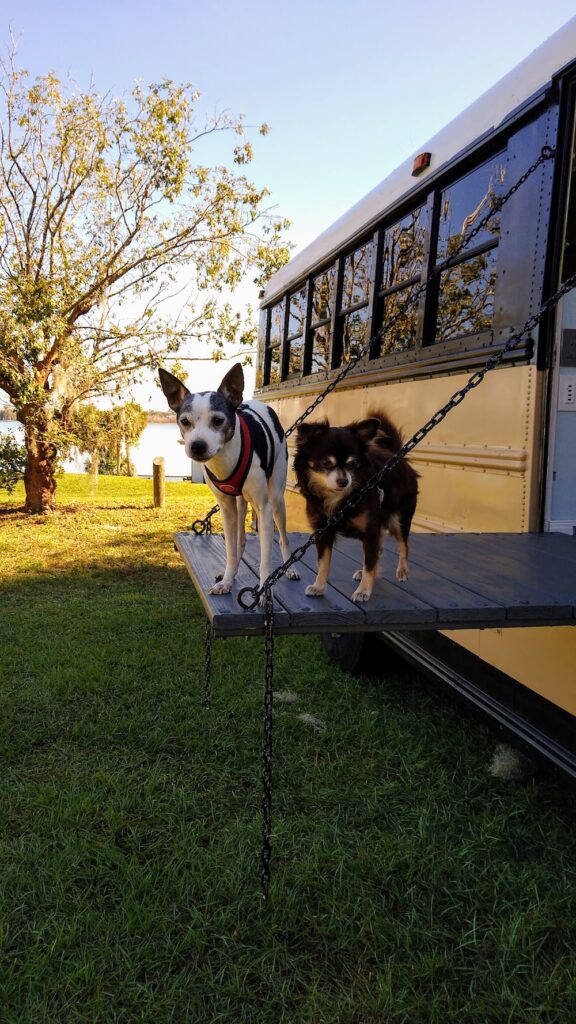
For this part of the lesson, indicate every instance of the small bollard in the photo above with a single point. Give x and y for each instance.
(159, 482)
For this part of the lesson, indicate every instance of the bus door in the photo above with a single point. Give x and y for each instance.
(561, 497)
(560, 505)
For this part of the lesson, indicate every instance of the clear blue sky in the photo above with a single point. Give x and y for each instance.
(349, 87)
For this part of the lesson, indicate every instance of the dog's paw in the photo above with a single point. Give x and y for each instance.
(220, 588)
(312, 590)
(361, 594)
(292, 574)
(357, 575)
(401, 574)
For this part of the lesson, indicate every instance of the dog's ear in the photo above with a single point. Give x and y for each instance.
(367, 429)
(173, 388)
(311, 431)
(232, 386)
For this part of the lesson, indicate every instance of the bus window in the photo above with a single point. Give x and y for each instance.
(402, 264)
(466, 286)
(466, 297)
(275, 335)
(295, 339)
(353, 314)
(321, 318)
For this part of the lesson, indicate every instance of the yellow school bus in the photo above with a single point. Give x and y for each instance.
(505, 459)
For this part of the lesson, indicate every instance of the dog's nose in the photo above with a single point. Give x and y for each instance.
(198, 449)
(342, 482)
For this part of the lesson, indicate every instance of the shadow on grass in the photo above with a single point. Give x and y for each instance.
(406, 884)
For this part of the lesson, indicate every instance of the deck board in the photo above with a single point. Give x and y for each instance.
(334, 609)
(452, 600)
(457, 581)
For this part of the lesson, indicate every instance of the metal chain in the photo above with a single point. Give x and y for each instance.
(207, 698)
(473, 381)
(200, 526)
(267, 745)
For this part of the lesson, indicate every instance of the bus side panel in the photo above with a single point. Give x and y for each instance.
(480, 471)
(479, 468)
(542, 659)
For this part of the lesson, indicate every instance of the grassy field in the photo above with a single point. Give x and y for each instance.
(409, 886)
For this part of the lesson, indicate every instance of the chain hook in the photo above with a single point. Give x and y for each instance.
(248, 604)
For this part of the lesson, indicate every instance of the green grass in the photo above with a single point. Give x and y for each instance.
(409, 886)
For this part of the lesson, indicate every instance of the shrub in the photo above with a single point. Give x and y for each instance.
(12, 462)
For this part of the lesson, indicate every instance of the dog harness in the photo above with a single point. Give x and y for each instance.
(234, 483)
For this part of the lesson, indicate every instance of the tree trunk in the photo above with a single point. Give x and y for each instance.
(94, 464)
(40, 472)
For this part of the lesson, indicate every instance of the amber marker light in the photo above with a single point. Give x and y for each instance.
(421, 162)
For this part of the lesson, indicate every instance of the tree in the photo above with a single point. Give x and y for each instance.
(12, 462)
(107, 435)
(106, 214)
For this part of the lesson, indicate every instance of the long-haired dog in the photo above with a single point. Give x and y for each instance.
(245, 458)
(331, 464)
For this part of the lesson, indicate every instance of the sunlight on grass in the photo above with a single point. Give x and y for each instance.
(408, 884)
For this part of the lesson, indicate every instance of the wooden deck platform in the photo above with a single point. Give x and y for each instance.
(457, 581)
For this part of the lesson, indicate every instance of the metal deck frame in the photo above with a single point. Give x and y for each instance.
(457, 581)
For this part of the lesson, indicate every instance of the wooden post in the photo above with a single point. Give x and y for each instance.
(159, 483)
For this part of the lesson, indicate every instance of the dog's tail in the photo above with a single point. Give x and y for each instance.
(387, 438)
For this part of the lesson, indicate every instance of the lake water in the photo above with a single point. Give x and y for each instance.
(157, 439)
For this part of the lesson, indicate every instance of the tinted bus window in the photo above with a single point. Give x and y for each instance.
(403, 248)
(356, 281)
(466, 283)
(467, 202)
(323, 286)
(295, 340)
(354, 313)
(466, 297)
(297, 313)
(354, 333)
(272, 360)
(323, 295)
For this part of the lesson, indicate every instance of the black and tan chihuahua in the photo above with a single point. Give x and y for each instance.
(332, 463)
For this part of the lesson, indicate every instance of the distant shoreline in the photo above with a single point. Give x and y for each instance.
(9, 416)
(161, 417)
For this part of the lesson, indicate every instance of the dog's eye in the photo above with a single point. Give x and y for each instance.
(217, 421)
(351, 463)
(328, 464)
(184, 422)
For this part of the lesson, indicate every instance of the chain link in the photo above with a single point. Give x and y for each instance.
(202, 526)
(207, 699)
(267, 746)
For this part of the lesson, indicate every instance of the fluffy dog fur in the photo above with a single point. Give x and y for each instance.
(332, 463)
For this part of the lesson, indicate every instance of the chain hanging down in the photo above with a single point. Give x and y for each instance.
(267, 746)
(204, 526)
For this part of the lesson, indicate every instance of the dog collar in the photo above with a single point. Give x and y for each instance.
(234, 483)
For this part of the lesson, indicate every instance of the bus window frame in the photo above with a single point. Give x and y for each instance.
(516, 146)
(268, 348)
(381, 294)
(289, 338)
(340, 313)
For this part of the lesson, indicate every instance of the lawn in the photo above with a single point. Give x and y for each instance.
(409, 886)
